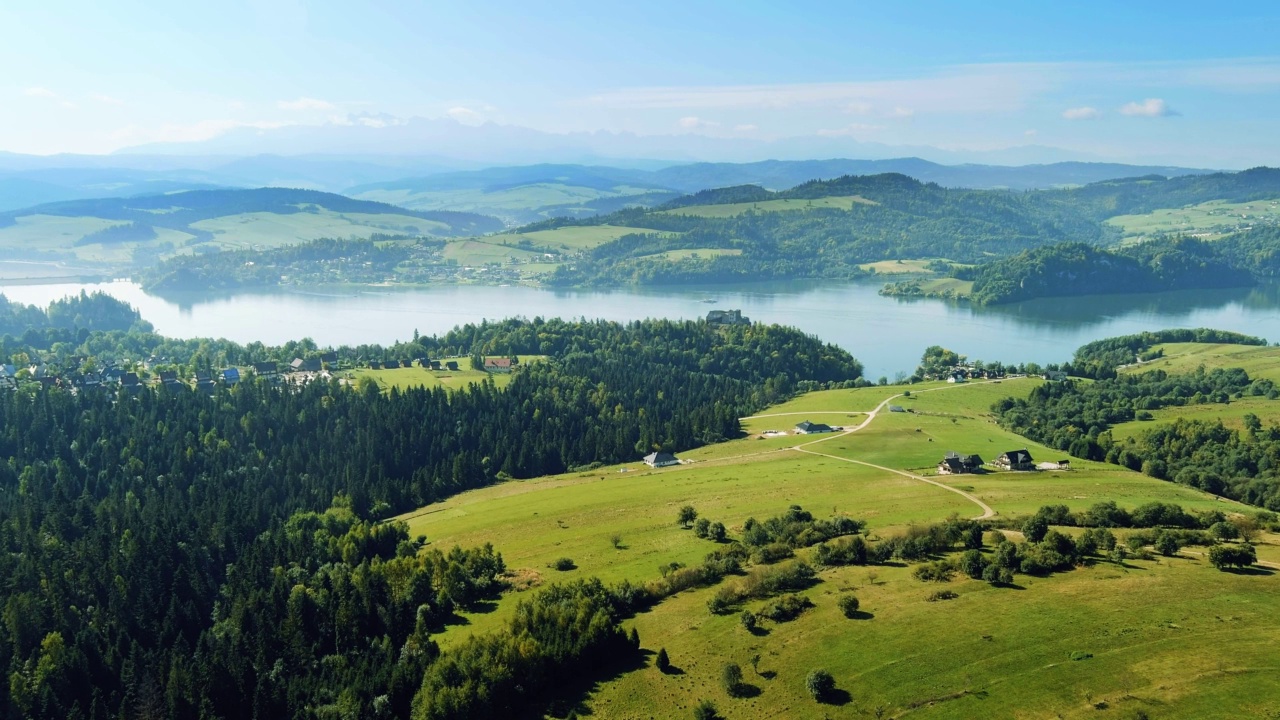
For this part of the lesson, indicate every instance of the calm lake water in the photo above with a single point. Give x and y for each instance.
(887, 334)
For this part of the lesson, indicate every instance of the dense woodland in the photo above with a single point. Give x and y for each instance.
(179, 554)
(1069, 269)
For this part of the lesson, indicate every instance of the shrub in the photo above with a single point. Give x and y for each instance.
(941, 595)
(717, 532)
(749, 621)
(785, 608)
(700, 527)
(820, 684)
(1167, 544)
(662, 662)
(973, 564)
(686, 516)
(938, 571)
(706, 710)
(848, 605)
(718, 604)
(731, 679)
(563, 564)
(1229, 556)
(771, 553)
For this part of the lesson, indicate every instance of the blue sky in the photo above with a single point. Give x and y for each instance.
(1183, 82)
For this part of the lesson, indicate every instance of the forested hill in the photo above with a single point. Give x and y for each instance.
(174, 553)
(178, 211)
(826, 228)
(1072, 269)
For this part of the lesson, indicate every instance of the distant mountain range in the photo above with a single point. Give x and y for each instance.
(517, 194)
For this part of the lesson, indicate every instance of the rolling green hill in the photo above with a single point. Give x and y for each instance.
(140, 230)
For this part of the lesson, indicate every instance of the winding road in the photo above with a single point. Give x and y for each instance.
(987, 511)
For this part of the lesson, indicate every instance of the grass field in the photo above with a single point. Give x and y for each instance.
(735, 209)
(1197, 642)
(568, 239)
(404, 378)
(901, 267)
(483, 252)
(268, 230)
(1210, 219)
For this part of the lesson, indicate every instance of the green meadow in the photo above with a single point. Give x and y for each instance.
(1169, 637)
(734, 209)
(1209, 219)
(410, 377)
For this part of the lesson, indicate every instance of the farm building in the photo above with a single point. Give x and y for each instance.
(451, 364)
(1060, 465)
(266, 369)
(660, 459)
(811, 428)
(1015, 460)
(1055, 376)
(498, 365)
(897, 408)
(231, 376)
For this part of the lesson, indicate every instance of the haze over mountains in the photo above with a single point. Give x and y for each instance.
(516, 193)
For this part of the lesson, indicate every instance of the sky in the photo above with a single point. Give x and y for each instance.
(1174, 82)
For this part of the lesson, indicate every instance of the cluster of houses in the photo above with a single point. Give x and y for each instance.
(954, 463)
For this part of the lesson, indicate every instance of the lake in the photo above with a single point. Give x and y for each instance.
(887, 334)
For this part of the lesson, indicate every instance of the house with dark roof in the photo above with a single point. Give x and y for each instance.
(168, 377)
(1015, 460)
(129, 381)
(953, 463)
(897, 408)
(1055, 376)
(330, 359)
(231, 376)
(266, 369)
(391, 365)
(451, 364)
(660, 459)
(812, 428)
(435, 364)
(375, 364)
(497, 365)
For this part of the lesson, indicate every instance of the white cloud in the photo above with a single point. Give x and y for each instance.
(465, 115)
(1151, 107)
(1030, 133)
(746, 128)
(304, 103)
(851, 130)
(1081, 113)
(900, 112)
(40, 92)
(107, 99)
(696, 123)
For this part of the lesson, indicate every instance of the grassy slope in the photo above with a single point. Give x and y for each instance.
(1258, 361)
(1213, 218)
(404, 378)
(1199, 641)
(734, 209)
(267, 230)
(569, 239)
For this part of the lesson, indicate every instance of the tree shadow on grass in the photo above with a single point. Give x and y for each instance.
(759, 631)
(1250, 571)
(572, 696)
(746, 690)
(861, 615)
(768, 674)
(836, 697)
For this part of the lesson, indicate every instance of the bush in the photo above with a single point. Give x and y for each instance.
(700, 527)
(973, 564)
(941, 595)
(717, 532)
(938, 571)
(1167, 544)
(731, 679)
(771, 553)
(785, 608)
(749, 621)
(820, 684)
(662, 662)
(563, 564)
(706, 710)
(848, 605)
(1229, 556)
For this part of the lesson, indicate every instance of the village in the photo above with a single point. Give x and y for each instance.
(84, 374)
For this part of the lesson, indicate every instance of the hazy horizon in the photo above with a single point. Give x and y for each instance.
(1011, 84)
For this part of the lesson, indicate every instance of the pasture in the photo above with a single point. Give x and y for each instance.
(1210, 219)
(727, 210)
(1069, 643)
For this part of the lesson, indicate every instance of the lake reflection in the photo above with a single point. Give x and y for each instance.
(887, 334)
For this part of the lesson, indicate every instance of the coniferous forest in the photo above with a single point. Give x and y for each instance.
(174, 553)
